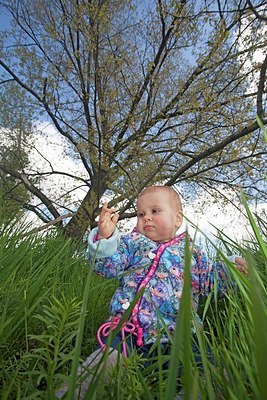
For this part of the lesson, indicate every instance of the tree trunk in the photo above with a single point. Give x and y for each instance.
(84, 217)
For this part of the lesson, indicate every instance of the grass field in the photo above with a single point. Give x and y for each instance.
(52, 303)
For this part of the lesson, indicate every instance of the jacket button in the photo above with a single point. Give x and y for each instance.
(151, 255)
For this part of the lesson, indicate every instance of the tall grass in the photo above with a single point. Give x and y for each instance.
(43, 280)
(51, 305)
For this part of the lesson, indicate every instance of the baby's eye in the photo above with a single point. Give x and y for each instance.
(155, 210)
(140, 214)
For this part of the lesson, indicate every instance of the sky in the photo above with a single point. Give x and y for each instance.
(4, 19)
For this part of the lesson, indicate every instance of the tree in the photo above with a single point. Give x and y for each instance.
(15, 137)
(143, 94)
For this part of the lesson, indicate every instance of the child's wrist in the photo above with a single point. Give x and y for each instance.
(100, 236)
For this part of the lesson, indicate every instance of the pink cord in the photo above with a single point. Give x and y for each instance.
(110, 326)
(144, 282)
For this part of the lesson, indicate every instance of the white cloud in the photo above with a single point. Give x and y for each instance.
(51, 153)
(213, 216)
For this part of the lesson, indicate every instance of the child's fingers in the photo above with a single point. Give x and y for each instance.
(240, 261)
(115, 217)
(241, 265)
(105, 209)
(107, 215)
(242, 269)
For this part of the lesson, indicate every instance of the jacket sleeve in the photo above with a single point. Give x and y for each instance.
(208, 275)
(109, 257)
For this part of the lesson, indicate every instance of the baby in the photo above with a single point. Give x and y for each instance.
(151, 259)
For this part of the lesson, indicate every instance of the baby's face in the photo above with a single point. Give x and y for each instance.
(158, 218)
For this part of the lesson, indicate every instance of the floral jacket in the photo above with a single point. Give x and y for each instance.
(129, 257)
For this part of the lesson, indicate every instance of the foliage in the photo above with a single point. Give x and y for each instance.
(142, 93)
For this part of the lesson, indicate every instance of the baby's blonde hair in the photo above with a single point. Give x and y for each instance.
(174, 195)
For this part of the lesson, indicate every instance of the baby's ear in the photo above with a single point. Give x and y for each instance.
(179, 219)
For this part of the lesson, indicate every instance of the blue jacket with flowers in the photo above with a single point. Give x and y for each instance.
(129, 257)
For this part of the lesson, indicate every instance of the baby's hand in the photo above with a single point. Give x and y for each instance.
(241, 265)
(107, 222)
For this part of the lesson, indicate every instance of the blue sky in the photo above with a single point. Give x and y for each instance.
(4, 19)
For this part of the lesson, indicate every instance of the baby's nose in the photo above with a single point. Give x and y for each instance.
(147, 217)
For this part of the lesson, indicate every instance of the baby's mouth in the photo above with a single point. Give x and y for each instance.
(148, 227)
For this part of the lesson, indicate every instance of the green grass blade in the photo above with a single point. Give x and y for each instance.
(259, 316)
(256, 231)
(263, 128)
(182, 336)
